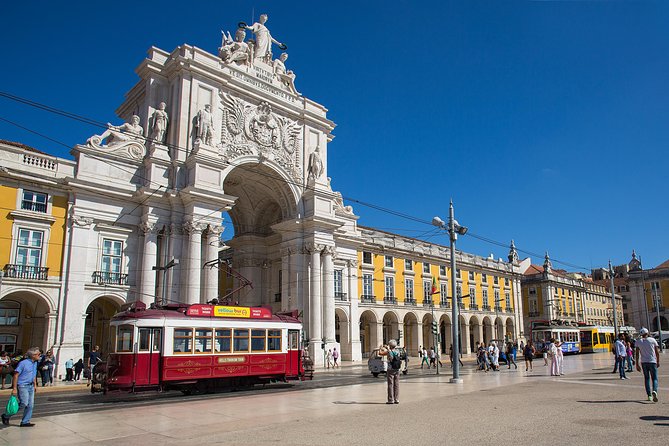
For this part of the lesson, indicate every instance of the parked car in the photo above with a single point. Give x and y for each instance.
(378, 364)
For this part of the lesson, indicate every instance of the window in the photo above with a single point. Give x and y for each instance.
(8, 343)
(203, 340)
(389, 261)
(495, 280)
(442, 270)
(258, 340)
(408, 265)
(112, 250)
(408, 289)
(497, 302)
(34, 201)
(124, 338)
(458, 291)
(458, 274)
(338, 282)
(472, 294)
(507, 300)
(471, 275)
(367, 257)
(427, 290)
(484, 278)
(183, 340)
(241, 341)
(444, 292)
(390, 287)
(367, 285)
(426, 267)
(9, 312)
(533, 291)
(486, 304)
(144, 339)
(29, 249)
(223, 340)
(274, 340)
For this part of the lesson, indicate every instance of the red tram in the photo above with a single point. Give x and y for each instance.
(200, 347)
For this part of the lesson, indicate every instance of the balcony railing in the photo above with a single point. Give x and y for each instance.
(509, 310)
(474, 306)
(462, 306)
(32, 206)
(533, 314)
(26, 272)
(445, 304)
(498, 309)
(341, 296)
(427, 303)
(368, 298)
(485, 307)
(389, 300)
(109, 278)
(411, 302)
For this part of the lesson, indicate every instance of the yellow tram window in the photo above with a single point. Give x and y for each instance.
(241, 341)
(258, 340)
(274, 340)
(124, 338)
(183, 340)
(203, 340)
(222, 343)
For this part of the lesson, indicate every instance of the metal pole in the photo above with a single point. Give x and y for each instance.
(435, 338)
(645, 302)
(455, 309)
(613, 298)
(659, 322)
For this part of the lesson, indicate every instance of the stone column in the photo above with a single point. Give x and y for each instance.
(354, 315)
(147, 292)
(419, 334)
(194, 264)
(175, 244)
(517, 308)
(286, 297)
(328, 295)
(315, 312)
(464, 335)
(211, 273)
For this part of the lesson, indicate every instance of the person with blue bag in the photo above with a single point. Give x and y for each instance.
(24, 384)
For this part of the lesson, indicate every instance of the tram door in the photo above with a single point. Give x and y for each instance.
(293, 353)
(147, 356)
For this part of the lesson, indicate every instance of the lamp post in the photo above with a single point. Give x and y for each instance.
(171, 264)
(656, 299)
(613, 298)
(453, 229)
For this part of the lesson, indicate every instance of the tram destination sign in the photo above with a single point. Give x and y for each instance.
(228, 311)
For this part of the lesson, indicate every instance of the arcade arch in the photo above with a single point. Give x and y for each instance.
(96, 329)
(26, 320)
(369, 337)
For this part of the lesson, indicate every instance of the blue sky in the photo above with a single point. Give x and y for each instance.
(547, 122)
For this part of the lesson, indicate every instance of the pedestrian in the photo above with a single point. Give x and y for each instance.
(495, 355)
(425, 359)
(560, 357)
(482, 356)
(433, 358)
(328, 357)
(5, 367)
(630, 354)
(522, 346)
(46, 368)
(544, 352)
(420, 351)
(393, 372)
(335, 358)
(647, 355)
(621, 354)
(69, 365)
(93, 358)
(24, 385)
(553, 352)
(511, 355)
(529, 355)
(450, 356)
(78, 367)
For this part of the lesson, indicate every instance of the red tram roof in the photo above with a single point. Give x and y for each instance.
(138, 310)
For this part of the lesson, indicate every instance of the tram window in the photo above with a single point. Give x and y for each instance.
(124, 339)
(293, 340)
(258, 340)
(274, 340)
(183, 340)
(223, 340)
(241, 342)
(144, 337)
(157, 339)
(203, 340)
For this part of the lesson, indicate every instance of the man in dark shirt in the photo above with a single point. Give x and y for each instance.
(93, 359)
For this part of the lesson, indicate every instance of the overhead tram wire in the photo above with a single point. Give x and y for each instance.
(93, 122)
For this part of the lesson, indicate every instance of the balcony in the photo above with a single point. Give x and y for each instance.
(26, 272)
(533, 314)
(32, 206)
(462, 306)
(343, 297)
(411, 302)
(389, 300)
(427, 303)
(498, 309)
(509, 310)
(485, 307)
(109, 278)
(368, 298)
(474, 306)
(445, 304)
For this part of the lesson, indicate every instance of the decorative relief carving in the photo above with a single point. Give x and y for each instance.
(330, 250)
(83, 222)
(146, 227)
(249, 130)
(311, 248)
(126, 140)
(190, 227)
(352, 263)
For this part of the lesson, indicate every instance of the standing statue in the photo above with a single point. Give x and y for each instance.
(130, 131)
(204, 126)
(159, 122)
(237, 50)
(287, 77)
(315, 164)
(264, 40)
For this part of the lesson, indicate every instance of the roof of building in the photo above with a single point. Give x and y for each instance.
(22, 146)
(534, 269)
(663, 265)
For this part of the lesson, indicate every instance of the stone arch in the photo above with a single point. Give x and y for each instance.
(445, 333)
(36, 321)
(663, 322)
(342, 330)
(99, 312)
(428, 337)
(410, 329)
(369, 338)
(499, 328)
(390, 326)
(510, 330)
(488, 334)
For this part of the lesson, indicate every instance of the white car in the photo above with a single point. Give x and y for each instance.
(378, 364)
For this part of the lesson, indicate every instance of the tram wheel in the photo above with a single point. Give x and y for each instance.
(187, 391)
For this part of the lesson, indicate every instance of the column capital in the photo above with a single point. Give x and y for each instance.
(312, 248)
(189, 227)
(352, 263)
(146, 227)
(330, 251)
(215, 230)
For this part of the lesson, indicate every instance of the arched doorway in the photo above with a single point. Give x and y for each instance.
(368, 337)
(26, 320)
(663, 323)
(499, 329)
(487, 330)
(342, 329)
(510, 336)
(475, 331)
(445, 333)
(96, 329)
(390, 326)
(428, 336)
(410, 341)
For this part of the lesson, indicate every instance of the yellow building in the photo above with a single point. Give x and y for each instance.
(649, 290)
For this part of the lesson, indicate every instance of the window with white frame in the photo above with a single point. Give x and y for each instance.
(533, 291)
(486, 304)
(497, 298)
(408, 265)
(484, 278)
(427, 290)
(442, 270)
(390, 287)
(338, 282)
(367, 285)
(34, 201)
(471, 275)
(472, 294)
(458, 291)
(426, 267)
(495, 280)
(112, 257)
(458, 274)
(8, 343)
(9, 312)
(29, 247)
(367, 257)
(444, 292)
(389, 261)
(408, 289)
(507, 299)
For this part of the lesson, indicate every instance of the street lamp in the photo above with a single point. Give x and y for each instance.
(171, 264)
(453, 229)
(613, 297)
(656, 299)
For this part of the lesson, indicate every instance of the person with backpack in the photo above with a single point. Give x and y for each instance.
(24, 385)
(393, 355)
(529, 355)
